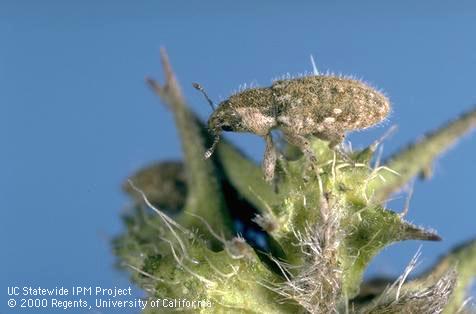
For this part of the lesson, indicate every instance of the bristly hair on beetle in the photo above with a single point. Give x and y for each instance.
(324, 106)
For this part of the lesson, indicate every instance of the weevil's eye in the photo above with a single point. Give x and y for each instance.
(226, 127)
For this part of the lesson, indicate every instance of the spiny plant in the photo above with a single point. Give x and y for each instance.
(213, 229)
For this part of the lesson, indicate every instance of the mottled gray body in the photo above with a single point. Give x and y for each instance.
(326, 105)
(323, 106)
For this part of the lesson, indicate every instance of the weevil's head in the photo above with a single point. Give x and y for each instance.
(240, 113)
(225, 118)
(249, 110)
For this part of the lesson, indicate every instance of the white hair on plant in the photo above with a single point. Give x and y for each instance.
(401, 297)
(376, 173)
(169, 222)
(210, 229)
(316, 284)
(409, 189)
(207, 282)
(411, 266)
(146, 274)
(219, 272)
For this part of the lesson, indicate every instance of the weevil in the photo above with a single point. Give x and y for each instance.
(323, 106)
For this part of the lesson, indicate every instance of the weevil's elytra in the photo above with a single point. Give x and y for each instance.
(334, 104)
(323, 106)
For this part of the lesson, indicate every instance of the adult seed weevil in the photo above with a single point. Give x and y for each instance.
(324, 106)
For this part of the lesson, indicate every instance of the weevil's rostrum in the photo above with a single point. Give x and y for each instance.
(323, 106)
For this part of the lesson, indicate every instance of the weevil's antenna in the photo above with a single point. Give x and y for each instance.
(200, 88)
(314, 68)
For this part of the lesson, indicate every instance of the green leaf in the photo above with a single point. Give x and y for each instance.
(401, 298)
(368, 232)
(246, 177)
(416, 157)
(204, 191)
(163, 183)
(463, 259)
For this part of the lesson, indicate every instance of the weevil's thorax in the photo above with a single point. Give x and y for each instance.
(248, 111)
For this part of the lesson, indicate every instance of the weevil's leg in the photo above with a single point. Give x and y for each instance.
(335, 144)
(269, 159)
(302, 143)
(305, 146)
(335, 140)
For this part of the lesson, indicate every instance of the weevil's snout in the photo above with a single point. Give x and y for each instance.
(214, 128)
(210, 151)
(216, 139)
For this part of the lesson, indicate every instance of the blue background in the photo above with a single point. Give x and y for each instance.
(76, 117)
